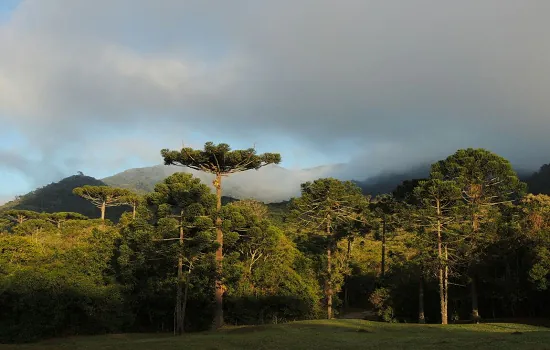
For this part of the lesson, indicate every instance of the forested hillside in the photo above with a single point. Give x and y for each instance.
(539, 182)
(59, 197)
(465, 243)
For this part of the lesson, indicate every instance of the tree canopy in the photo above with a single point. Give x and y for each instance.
(103, 196)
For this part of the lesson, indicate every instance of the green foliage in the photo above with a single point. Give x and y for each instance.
(60, 279)
(59, 197)
(33, 227)
(219, 159)
(484, 177)
(325, 203)
(535, 213)
(62, 273)
(382, 304)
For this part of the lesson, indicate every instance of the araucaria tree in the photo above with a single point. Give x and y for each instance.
(387, 212)
(20, 216)
(183, 206)
(486, 181)
(323, 205)
(220, 161)
(437, 207)
(61, 217)
(103, 196)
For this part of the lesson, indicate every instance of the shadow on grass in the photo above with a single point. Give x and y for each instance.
(321, 335)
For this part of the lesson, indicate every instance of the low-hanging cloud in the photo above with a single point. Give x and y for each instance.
(385, 84)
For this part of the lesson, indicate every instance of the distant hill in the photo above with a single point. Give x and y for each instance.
(59, 197)
(539, 182)
(273, 185)
(387, 182)
(270, 184)
(141, 180)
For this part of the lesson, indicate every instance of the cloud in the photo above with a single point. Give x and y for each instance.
(381, 84)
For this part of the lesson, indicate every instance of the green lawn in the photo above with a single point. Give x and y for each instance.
(320, 335)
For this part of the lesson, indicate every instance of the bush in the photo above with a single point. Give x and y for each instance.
(382, 304)
(36, 303)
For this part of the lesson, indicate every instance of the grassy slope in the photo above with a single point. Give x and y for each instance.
(321, 335)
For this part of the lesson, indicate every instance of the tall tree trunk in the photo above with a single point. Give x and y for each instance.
(329, 282)
(185, 294)
(421, 318)
(329, 270)
(218, 316)
(383, 264)
(103, 206)
(473, 286)
(475, 308)
(346, 278)
(179, 309)
(134, 211)
(446, 286)
(442, 266)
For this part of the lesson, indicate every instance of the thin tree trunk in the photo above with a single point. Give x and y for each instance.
(179, 309)
(383, 264)
(329, 283)
(184, 306)
(446, 285)
(442, 265)
(346, 278)
(473, 287)
(475, 308)
(134, 211)
(103, 206)
(218, 316)
(421, 318)
(329, 270)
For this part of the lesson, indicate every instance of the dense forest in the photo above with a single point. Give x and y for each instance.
(468, 242)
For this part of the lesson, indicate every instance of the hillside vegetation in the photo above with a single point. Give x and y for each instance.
(469, 243)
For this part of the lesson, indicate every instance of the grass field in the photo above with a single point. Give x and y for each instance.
(321, 335)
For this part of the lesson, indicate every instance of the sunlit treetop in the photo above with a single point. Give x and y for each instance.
(219, 159)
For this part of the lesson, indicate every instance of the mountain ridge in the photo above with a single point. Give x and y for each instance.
(271, 185)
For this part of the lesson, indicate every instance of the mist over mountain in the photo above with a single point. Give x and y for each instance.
(269, 184)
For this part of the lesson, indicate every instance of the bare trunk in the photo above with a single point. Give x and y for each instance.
(218, 316)
(184, 306)
(421, 318)
(383, 264)
(329, 270)
(329, 283)
(473, 287)
(446, 285)
(442, 269)
(103, 206)
(134, 211)
(179, 309)
(346, 278)
(475, 309)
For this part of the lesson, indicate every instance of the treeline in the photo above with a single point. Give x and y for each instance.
(466, 243)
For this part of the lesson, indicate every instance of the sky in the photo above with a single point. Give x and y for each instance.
(101, 86)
